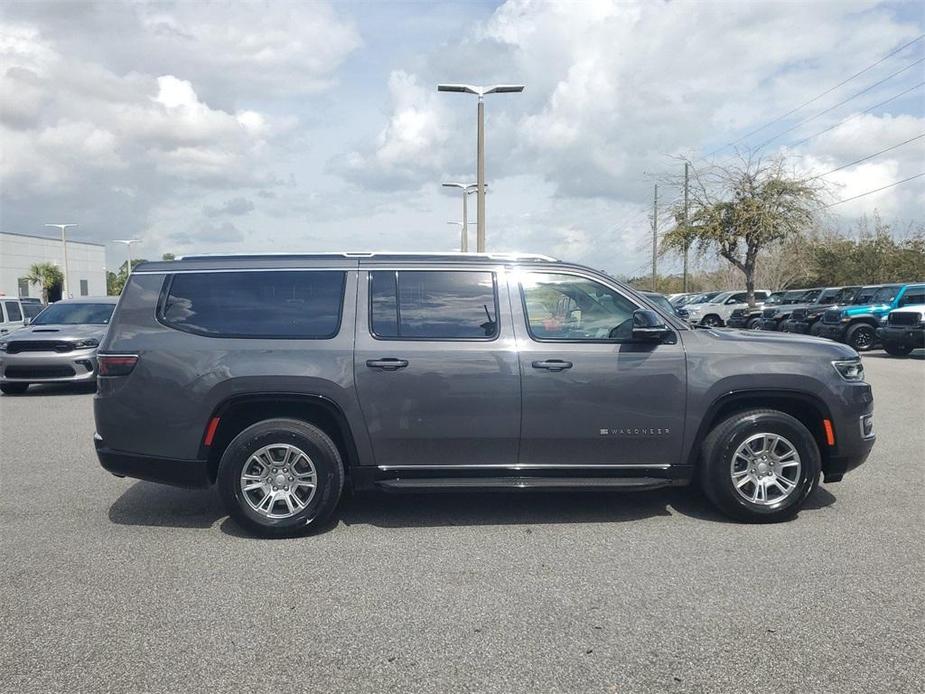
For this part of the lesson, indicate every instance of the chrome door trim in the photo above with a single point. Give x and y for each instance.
(530, 466)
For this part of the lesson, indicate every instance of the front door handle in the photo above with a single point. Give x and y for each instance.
(552, 365)
(387, 364)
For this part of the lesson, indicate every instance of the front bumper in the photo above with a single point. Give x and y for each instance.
(852, 444)
(832, 331)
(78, 366)
(769, 324)
(178, 473)
(910, 335)
(800, 326)
(738, 322)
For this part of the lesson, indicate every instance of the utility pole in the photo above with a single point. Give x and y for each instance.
(480, 144)
(686, 240)
(654, 238)
(64, 283)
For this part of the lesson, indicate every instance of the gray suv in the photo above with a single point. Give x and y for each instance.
(282, 379)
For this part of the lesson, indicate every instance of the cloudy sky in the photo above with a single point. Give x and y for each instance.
(304, 126)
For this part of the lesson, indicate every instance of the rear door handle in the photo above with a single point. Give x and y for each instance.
(552, 365)
(388, 364)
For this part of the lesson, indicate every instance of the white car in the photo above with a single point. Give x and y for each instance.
(903, 329)
(15, 312)
(716, 312)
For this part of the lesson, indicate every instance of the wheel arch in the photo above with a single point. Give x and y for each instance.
(807, 408)
(240, 411)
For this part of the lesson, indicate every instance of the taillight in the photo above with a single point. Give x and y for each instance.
(116, 364)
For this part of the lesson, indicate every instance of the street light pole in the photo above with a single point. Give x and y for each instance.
(128, 253)
(480, 144)
(467, 190)
(463, 241)
(63, 228)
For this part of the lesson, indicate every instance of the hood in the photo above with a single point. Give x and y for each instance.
(758, 341)
(59, 332)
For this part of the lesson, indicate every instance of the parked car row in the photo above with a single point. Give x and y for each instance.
(863, 317)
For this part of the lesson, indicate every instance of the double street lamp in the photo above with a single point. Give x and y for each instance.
(63, 228)
(480, 92)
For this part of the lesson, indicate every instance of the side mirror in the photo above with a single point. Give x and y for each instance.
(648, 326)
(26, 320)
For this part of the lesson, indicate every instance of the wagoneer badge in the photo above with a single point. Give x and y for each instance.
(637, 431)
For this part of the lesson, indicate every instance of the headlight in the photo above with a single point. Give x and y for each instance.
(850, 369)
(883, 320)
(89, 342)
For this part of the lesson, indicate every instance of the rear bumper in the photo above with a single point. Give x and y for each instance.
(178, 473)
(906, 335)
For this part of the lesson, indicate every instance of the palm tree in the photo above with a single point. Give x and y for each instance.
(46, 275)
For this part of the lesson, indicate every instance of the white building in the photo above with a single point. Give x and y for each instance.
(86, 264)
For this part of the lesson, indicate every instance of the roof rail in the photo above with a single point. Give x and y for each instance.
(375, 254)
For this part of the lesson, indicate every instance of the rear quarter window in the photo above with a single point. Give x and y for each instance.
(295, 304)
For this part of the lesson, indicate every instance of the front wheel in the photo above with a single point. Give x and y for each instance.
(896, 349)
(711, 321)
(754, 324)
(860, 337)
(759, 466)
(281, 477)
(13, 388)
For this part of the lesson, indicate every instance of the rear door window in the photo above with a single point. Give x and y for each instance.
(433, 305)
(297, 304)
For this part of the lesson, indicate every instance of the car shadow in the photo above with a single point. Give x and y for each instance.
(918, 354)
(149, 504)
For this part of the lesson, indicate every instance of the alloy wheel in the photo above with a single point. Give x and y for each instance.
(765, 469)
(278, 481)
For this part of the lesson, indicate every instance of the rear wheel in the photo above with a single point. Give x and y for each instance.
(759, 466)
(281, 477)
(896, 349)
(13, 388)
(860, 337)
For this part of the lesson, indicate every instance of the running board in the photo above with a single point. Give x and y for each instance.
(506, 483)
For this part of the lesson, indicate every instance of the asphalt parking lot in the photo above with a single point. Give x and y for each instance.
(116, 585)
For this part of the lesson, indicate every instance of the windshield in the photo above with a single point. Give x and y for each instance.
(720, 298)
(793, 297)
(31, 308)
(885, 295)
(661, 302)
(703, 298)
(865, 295)
(75, 314)
(811, 295)
(774, 299)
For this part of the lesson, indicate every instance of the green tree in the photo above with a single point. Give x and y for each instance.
(47, 276)
(168, 256)
(115, 282)
(740, 210)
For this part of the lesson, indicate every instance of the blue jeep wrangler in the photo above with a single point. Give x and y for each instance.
(857, 325)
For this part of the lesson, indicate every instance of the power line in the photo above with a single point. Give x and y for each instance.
(841, 103)
(869, 156)
(871, 192)
(855, 115)
(818, 96)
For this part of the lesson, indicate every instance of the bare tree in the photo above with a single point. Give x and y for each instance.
(740, 209)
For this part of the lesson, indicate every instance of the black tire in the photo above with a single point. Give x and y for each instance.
(711, 321)
(754, 324)
(816, 329)
(896, 349)
(317, 445)
(13, 388)
(720, 447)
(860, 337)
